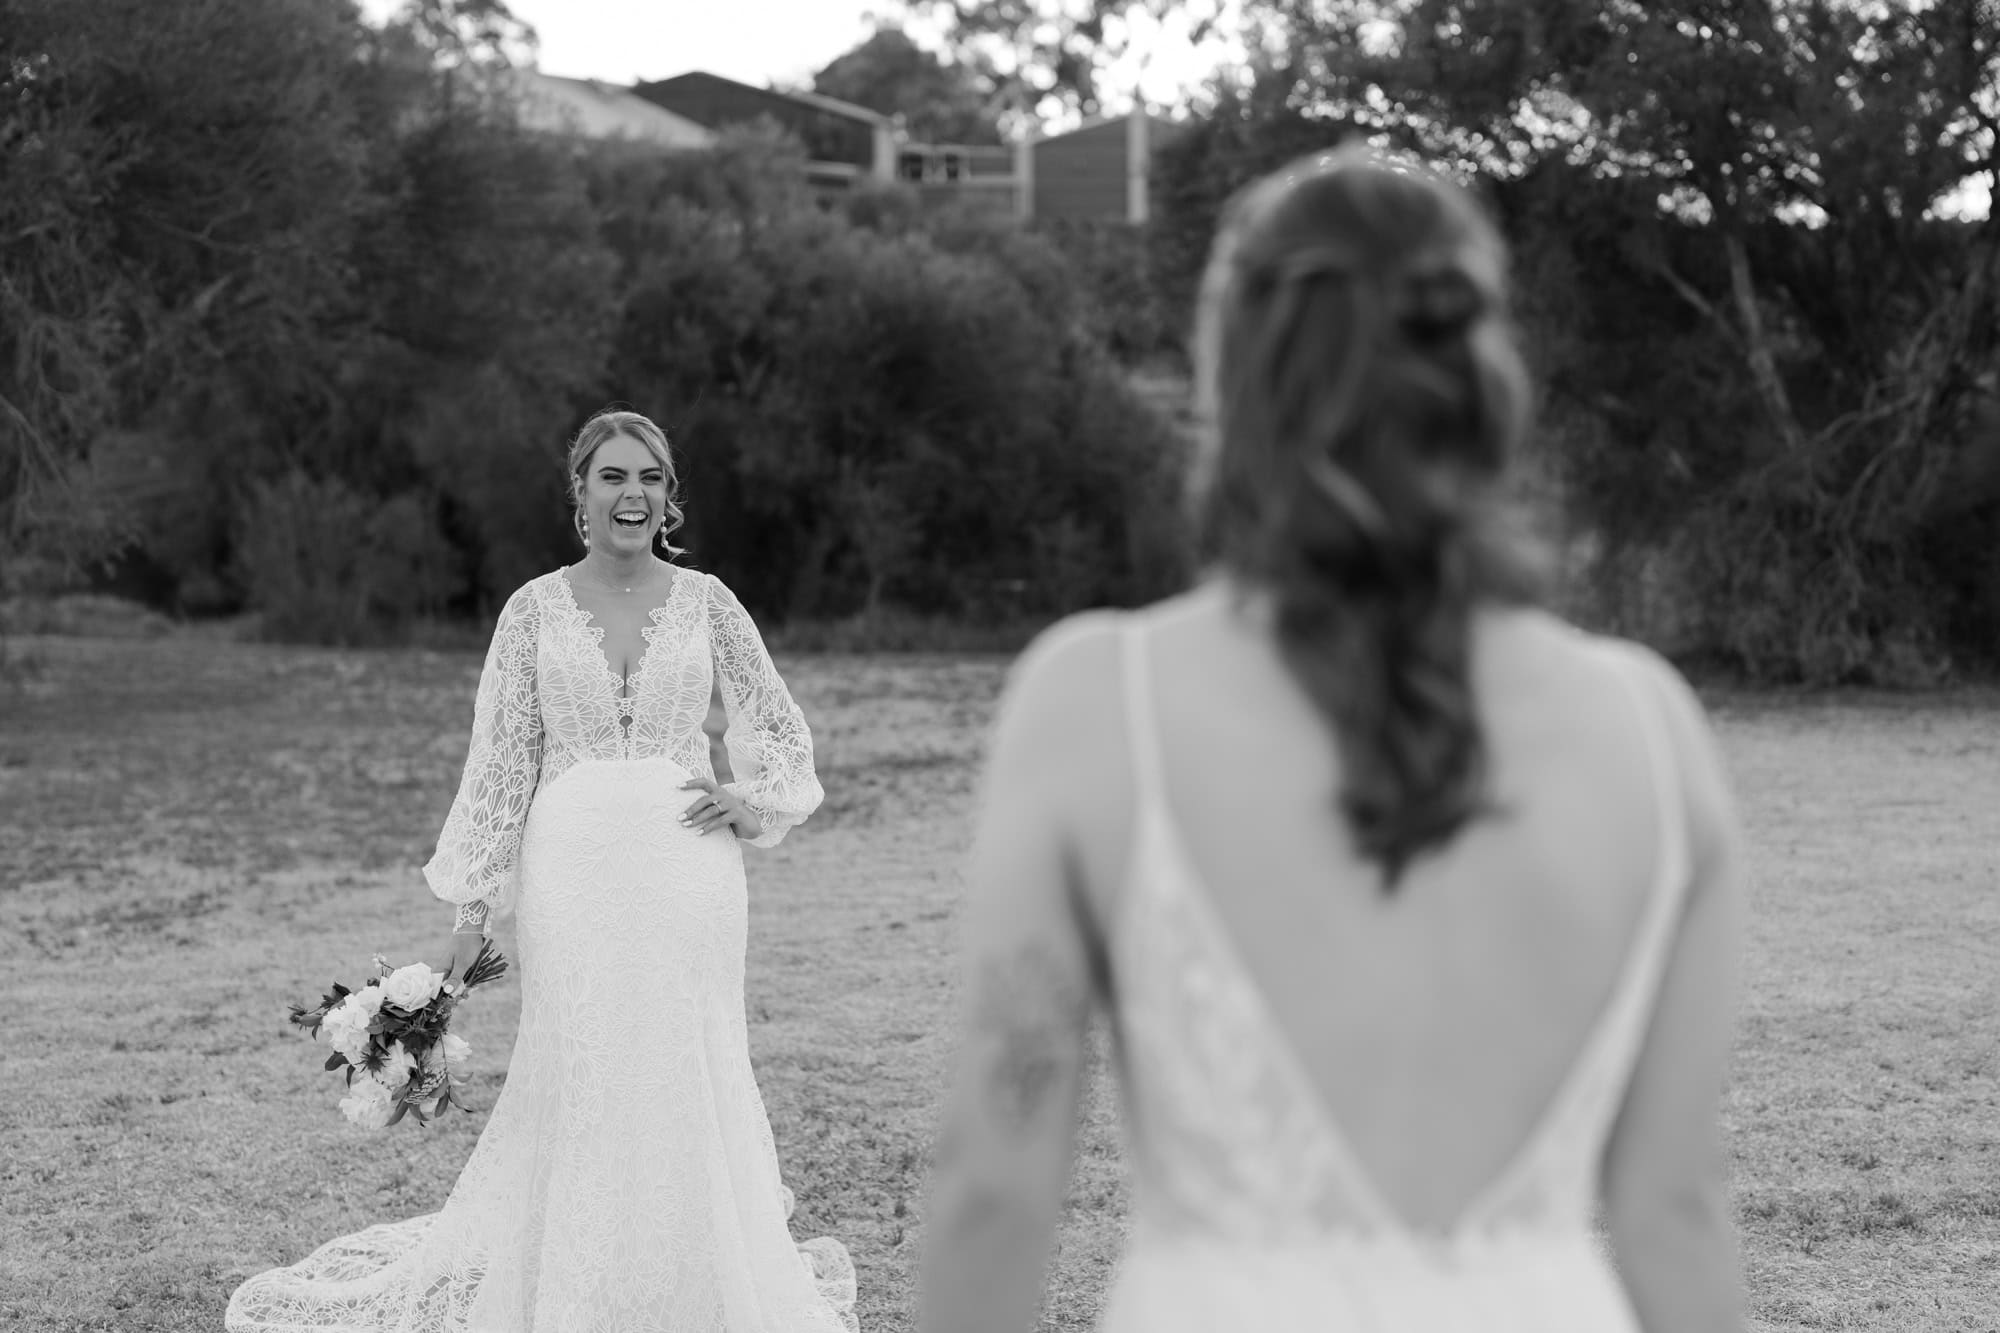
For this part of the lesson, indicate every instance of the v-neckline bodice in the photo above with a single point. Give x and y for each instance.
(624, 687)
(1161, 862)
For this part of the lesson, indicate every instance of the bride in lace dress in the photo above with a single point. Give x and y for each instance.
(626, 1180)
(1414, 911)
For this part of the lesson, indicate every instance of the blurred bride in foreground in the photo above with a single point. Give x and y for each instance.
(1414, 910)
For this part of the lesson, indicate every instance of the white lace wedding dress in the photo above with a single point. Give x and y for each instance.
(1250, 1210)
(626, 1180)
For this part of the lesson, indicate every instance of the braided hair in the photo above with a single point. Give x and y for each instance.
(1364, 392)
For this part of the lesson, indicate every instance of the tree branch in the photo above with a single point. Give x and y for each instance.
(1757, 346)
(50, 460)
(1689, 293)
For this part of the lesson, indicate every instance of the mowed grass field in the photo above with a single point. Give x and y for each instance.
(194, 834)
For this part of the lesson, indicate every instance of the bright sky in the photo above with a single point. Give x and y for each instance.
(627, 41)
(781, 41)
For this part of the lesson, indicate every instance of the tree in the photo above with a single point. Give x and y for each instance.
(938, 102)
(470, 36)
(258, 252)
(178, 187)
(1803, 112)
(1046, 59)
(871, 418)
(1769, 320)
(298, 315)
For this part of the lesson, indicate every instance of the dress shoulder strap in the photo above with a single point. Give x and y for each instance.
(1561, 1151)
(1673, 864)
(1675, 855)
(1141, 727)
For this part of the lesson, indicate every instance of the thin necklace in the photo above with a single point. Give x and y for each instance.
(603, 582)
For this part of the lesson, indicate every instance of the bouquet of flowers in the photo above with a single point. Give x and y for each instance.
(390, 1036)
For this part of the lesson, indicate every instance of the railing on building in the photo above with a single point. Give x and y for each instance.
(984, 178)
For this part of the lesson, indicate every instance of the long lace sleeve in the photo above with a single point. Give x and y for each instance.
(765, 726)
(475, 859)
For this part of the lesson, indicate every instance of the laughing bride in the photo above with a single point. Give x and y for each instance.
(626, 1181)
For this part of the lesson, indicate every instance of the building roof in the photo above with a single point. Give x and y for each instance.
(1160, 128)
(832, 105)
(597, 110)
(840, 108)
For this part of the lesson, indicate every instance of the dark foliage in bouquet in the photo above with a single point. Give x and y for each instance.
(391, 1036)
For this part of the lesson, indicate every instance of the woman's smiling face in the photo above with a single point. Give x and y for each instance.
(624, 496)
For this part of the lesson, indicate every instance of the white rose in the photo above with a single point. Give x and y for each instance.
(456, 1049)
(367, 1104)
(368, 998)
(397, 1066)
(411, 988)
(346, 1028)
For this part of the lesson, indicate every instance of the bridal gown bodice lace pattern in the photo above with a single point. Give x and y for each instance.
(626, 1180)
(1251, 1211)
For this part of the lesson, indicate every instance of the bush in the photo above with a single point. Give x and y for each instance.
(343, 405)
(324, 564)
(1836, 528)
(80, 615)
(910, 412)
(261, 237)
(1126, 308)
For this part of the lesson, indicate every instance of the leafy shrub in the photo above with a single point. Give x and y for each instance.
(343, 405)
(323, 563)
(911, 412)
(1830, 518)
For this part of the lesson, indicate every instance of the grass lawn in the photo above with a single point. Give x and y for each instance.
(194, 834)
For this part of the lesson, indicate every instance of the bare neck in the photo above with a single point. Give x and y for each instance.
(625, 572)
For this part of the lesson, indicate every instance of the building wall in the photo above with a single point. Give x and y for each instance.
(1081, 175)
(1099, 173)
